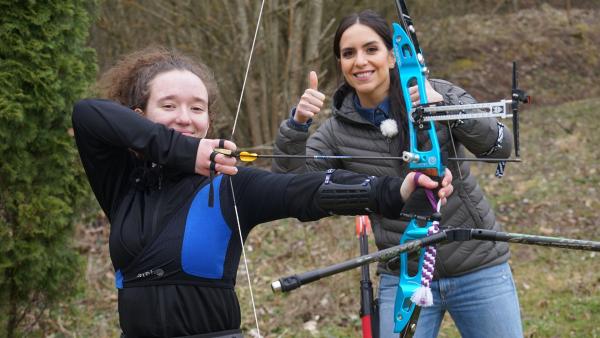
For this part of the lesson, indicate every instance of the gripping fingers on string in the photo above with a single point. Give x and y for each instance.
(226, 163)
(222, 150)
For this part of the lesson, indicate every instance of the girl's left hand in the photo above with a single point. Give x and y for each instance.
(432, 95)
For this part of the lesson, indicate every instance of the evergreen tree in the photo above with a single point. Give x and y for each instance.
(44, 67)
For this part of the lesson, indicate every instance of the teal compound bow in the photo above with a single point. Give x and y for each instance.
(421, 119)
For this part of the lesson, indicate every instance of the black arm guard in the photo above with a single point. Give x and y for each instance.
(346, 199)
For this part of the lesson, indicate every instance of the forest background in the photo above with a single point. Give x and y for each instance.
(471, 43)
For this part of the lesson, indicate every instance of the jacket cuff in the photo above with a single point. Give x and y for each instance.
(189, 149)
(298, 126)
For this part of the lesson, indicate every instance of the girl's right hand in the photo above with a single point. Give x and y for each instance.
(311, 101)
(223, 164)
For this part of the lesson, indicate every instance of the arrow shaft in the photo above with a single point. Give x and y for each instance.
(333, 157)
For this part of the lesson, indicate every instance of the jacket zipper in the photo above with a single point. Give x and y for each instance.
(158, 203)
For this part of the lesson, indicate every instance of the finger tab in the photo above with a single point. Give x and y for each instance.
(223, 151)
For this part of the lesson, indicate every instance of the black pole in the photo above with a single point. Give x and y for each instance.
(286, 284)
(518, 96)
(515, 108)
(557, 242)
(490, 160)
(289, 283)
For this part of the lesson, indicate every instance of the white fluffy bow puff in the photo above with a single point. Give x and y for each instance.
(389, 128)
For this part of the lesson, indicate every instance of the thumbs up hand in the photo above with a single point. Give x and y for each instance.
(311, 101)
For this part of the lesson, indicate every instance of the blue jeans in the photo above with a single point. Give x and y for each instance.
(482, 304)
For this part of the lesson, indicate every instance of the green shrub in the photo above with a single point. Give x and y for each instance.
(44, 67)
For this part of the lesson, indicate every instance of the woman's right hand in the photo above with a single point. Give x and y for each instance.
(311, 101)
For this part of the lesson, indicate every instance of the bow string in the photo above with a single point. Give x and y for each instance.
(237, 217)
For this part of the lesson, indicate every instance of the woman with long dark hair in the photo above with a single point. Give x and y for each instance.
(472, 281)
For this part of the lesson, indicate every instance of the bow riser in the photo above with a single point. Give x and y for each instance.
(404, 307)
(412, 70)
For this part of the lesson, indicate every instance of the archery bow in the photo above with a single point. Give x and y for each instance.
(413, 71)
(237, 217)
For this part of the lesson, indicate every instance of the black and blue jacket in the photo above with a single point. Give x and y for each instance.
(175, 258)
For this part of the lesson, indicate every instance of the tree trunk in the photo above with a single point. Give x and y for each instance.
(250, 98)
(12, 320)
(313, 40)
(294, 53)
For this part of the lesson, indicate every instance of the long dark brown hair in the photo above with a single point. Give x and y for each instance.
(378, 24)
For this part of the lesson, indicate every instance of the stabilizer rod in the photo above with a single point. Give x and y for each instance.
(293, 282)
(290, 283)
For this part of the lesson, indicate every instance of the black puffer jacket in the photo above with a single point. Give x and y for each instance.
(348, 133)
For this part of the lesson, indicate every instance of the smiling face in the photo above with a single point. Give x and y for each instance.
(179, 100)
(365, 63)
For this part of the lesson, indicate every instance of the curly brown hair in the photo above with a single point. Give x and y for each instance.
(128, 81)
